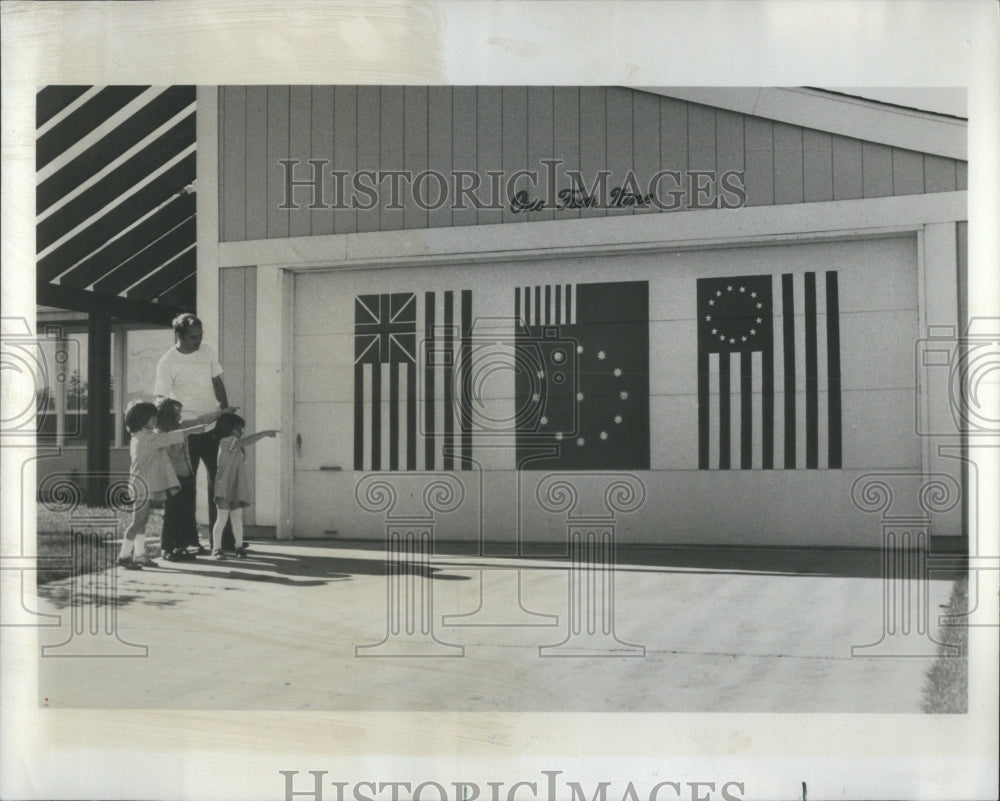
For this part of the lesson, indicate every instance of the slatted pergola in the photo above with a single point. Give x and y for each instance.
(115, 220)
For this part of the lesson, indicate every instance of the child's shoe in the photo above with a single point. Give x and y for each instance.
(241, 552)
(128, 563)
(218, 554)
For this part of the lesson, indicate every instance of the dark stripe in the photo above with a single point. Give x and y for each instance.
(161, 280)
(82, 121)
(788, 324)
(746, 410)
(767, 406)
(569, 303)
(449, 409)
(107, 190)
(108, 148)
(429, 399)
(145, 261)
(117, 251)
(182, 295)
(393, 416)
(703, 410)
(559, 320)
(53, 99)
(538, 305)
(548, 304)
(376, 416)
(359, 417)
(724, 391)
(411, 416)
(466, 400)
(527, 306)
(833, 368)
(517, 305)
(812, 379)
(116, 221)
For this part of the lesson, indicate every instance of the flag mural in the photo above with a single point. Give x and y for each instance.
(582, 387)
(747, 330)
(405, 419)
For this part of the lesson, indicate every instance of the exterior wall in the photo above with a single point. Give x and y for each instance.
(513, 128)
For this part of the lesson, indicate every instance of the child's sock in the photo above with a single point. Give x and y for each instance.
(126, 549)
(140, 546)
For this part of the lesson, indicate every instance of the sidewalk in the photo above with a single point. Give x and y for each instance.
(723, 630)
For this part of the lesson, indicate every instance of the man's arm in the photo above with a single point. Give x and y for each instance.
(220, 391)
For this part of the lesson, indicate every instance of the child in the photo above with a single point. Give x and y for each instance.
(232, 489)
(151, 478)
(180, 529)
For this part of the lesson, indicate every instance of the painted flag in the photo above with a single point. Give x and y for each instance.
(769, 372)
(409, 416)
(582, 387)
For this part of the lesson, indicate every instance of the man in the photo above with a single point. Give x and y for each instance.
(190, 373)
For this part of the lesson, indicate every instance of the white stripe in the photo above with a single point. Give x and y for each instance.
(713, 411)
(757, 360)
(55, 120)
(778, 335)
(735, 408)
(366, 428)
(162, 267)
(800, 371)
(822, 382)
(571, 296)
(116, 163)
(384, 368)
(403, 407)
(118, 201)
(102, 130)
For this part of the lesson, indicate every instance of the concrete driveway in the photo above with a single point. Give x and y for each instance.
(694, 630)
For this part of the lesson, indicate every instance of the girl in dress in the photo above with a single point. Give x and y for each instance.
(151, 478)
(232, 488)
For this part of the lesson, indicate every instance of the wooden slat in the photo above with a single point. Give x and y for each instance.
(53, 99)
(369, 131)
(907, 172)
(540, 137)
(593, 143)
(233, 163)
(646, 141)
(846, 168)
(255, 208)
(489, 148)
(618, 130)
(940, 174)
(566, 116)
(759, 177)
(674, 148)
(160, 281)
(787, 163)
(439, 159)
(962, 171)
(345, 152)
(71, 299)
(817, 166)
(730, 153)
(515, 146)
(278, 100)
(415, 117)
(300, 148)
(390, 156)
(465, 116)
(182, 296)
(148, 259)
(876, 164)
(321, 147)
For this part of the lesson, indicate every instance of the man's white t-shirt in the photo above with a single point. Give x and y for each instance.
(187, 377)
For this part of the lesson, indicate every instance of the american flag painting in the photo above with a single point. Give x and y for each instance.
(769, 372)
(585, 350)
(410, 412)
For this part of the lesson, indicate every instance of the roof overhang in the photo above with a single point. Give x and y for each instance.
(896, 126)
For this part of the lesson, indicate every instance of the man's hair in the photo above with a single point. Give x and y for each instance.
(138, 414)
(182, 322)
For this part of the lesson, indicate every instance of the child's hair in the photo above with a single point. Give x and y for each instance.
(166, 413)
(138, 415)
(227, 425)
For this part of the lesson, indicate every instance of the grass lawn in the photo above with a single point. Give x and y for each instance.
(55, 544)
(947, 686)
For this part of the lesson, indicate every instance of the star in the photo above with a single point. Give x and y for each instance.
(601, 355)
(743, 289)
(604, 435)
(559, 436)
(543, 420)
(715, 330)
(760, 305)
(536, 397)
(579, 348)
(618, 372)
(753, 294)
(623, 394)
(718, 292)
(753, 330)
(732, 341)
(744, 339)
(540, 374)
(722, 337)
(729, 289)
(711, 303)
(708, 318)
(618, 419)
(759, 320)
(579, 396)
(580, 441)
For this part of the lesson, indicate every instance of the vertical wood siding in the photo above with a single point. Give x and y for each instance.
(481, 129)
